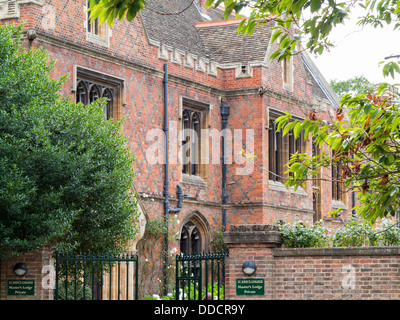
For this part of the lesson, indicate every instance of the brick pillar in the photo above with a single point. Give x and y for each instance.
(29, 286)
(250, 243)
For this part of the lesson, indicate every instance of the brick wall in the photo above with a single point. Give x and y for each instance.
(319, 273)
(337, 273)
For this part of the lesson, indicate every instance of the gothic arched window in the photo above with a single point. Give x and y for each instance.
(191, 130)
(190, 239)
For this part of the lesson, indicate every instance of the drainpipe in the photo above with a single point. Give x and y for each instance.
(179, 195)
(353, 198)
(224, 111)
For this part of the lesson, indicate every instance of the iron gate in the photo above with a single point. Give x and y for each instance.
(200, 276)
(96, 277)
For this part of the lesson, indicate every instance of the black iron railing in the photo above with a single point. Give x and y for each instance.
(200, 276)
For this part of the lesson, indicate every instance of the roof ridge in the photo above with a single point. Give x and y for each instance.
(218, 23)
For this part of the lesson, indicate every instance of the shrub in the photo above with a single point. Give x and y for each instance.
(300, 235)
(353, 233)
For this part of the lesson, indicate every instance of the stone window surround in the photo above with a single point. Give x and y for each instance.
(96, 76)
(277, 185)
(202, 178)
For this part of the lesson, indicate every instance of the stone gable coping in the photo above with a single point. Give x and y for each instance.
(262, 234)
(253, 227)
(337, 251)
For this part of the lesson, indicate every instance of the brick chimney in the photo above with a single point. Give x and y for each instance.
(202, 5)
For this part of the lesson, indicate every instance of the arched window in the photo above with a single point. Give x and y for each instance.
(336, 177)
(281, 148)
(185, 140)
(275, 152)
(190, 239)
(195, 126)
(195, 234)
(94, 93)
(191, 129)
(81, 92)
(108, 108)
(316, 187)
(295, 145)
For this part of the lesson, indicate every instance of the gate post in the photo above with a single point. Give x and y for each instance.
(254, 244)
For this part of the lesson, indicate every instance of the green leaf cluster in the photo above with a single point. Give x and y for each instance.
(65, 172)
(110, 10)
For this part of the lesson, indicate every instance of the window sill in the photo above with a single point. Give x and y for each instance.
(196, 180)
(279, 186)
(338, 204)
(96, 39)
(288, 87)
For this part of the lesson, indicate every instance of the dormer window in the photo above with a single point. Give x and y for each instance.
(96, 32)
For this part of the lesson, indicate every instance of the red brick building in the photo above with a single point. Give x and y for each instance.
(209, 67)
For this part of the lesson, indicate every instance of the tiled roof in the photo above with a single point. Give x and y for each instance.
(190, 31)
(176, 30)
(224, 44)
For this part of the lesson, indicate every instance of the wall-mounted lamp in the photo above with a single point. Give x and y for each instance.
(249, 267)
(20, 269)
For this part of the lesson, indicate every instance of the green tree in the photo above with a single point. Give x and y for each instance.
(355, 85)
(65, 172)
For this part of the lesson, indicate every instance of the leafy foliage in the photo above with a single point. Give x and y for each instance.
(65, 172)
(353, 233)
(109, 10)
(300, 235)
